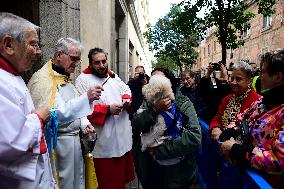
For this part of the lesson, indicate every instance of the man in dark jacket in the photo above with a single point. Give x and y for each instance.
(212, 90)
(135, 86)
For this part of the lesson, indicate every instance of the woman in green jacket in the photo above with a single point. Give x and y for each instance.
(151, 174)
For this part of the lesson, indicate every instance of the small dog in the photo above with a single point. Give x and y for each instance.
(159, 87)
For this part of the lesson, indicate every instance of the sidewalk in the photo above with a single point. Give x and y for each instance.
(134, 184)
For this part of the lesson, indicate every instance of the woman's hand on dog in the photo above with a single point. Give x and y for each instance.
(151, 151)
(226, 147)
(163, 104)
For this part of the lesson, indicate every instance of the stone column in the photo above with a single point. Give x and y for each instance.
(58, 19)
(123, 51)
(121, 55)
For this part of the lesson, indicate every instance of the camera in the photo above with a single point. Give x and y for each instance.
(216, 66)
(141, 76)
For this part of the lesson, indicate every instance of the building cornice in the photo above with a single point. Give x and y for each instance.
(123, 6)
(135, 21)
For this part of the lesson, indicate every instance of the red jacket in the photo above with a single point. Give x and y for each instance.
(217, 119)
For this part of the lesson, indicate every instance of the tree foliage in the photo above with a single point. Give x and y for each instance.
(174, 38)
(165, 62)
(231, 18)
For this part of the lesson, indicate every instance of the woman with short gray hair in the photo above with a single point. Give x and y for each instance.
(241, 99)
(245, 67)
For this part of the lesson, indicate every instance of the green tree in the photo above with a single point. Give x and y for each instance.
(230, 17)
(173, 38)
(165, 62)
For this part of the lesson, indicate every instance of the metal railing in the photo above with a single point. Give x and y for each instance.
(214, 172)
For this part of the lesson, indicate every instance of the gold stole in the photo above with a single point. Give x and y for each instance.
(91, 181)
(56, 80)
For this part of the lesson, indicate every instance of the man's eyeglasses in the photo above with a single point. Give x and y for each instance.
(97, 62)
(73, 58)
(36, 46)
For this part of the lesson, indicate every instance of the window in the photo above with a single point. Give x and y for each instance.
(228, 53)
(267, 21)
(246, 32)
(131, 47)
(209, 49)
(231, 54)
(137, 58)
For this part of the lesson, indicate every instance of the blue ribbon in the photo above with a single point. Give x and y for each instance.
(169, 117)
(51, 131)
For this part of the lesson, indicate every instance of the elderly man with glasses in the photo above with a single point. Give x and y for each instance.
(51, 86)
(23, 155)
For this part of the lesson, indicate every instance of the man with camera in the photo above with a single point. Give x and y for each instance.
(135, 86)
(213, 89)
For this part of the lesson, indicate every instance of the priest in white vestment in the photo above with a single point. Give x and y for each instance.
(51, 86)
(112, 152)
(24, 162)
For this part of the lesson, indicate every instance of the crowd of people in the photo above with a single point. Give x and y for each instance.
(245, 113)
(149, 125)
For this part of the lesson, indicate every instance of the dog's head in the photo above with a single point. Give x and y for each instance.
(158, 87)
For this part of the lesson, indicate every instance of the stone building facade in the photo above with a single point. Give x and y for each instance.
(265, 34)
(139, 53)
(114, 25)
(118, 27)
